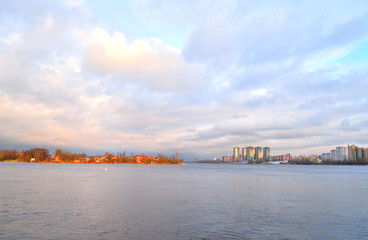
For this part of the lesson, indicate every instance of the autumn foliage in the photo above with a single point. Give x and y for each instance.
(60, 156)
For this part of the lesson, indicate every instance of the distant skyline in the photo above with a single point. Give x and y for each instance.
(194, 77)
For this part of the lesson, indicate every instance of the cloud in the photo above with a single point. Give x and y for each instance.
(241, 73)
(148, 62)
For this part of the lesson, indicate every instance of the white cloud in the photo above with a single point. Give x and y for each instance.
(74, 3)
(147, 62)
(12, 39)
(243, 78)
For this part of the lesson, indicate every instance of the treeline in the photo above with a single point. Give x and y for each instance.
(38, 154)
(172, 160)
(43, 155)
(306, 161)
(141, 159)
(6, 154)
(359, 161)
(66, 156)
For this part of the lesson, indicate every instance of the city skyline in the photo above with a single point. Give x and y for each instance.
(191, 77)
(249, 153)
(349, 154)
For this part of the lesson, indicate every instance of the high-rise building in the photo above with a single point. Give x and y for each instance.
(341, 154)
(250, 153)
(266, 154)
(352, 156)
(356, 154)
(258, 154)
(244, 153)
(236, 154)
(333, 155)
(359, 152)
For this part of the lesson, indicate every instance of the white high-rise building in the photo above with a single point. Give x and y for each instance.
(333, 155)
(341, 154)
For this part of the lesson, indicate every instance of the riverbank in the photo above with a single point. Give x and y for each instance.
(76, 162)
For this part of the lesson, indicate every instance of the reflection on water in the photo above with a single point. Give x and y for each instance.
(193, 201)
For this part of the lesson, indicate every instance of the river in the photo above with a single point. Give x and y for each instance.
(192, 201)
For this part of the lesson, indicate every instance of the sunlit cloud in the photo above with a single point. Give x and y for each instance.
(144, 61)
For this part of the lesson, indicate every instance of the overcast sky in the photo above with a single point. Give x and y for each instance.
(194, 77)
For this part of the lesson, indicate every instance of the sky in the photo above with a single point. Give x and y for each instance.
(194, 77)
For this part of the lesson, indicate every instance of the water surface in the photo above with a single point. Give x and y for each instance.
(193, 201)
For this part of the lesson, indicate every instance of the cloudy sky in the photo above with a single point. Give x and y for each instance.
(194, 77)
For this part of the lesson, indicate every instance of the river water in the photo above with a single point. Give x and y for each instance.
(192, 201)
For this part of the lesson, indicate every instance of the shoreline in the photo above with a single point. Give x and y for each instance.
(180, 163)
(63, 162)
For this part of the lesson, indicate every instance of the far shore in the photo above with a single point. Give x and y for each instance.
(73, 162)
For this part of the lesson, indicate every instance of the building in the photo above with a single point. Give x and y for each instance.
(341, 154)
(356, 154)
(286, 157)
(338, 154)
(326, 156)
(361, 155)
(250, 153)
(236, 154)
(266, 154)
(258, 156)
(244, 153)
(352, 153)
(333, 155)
